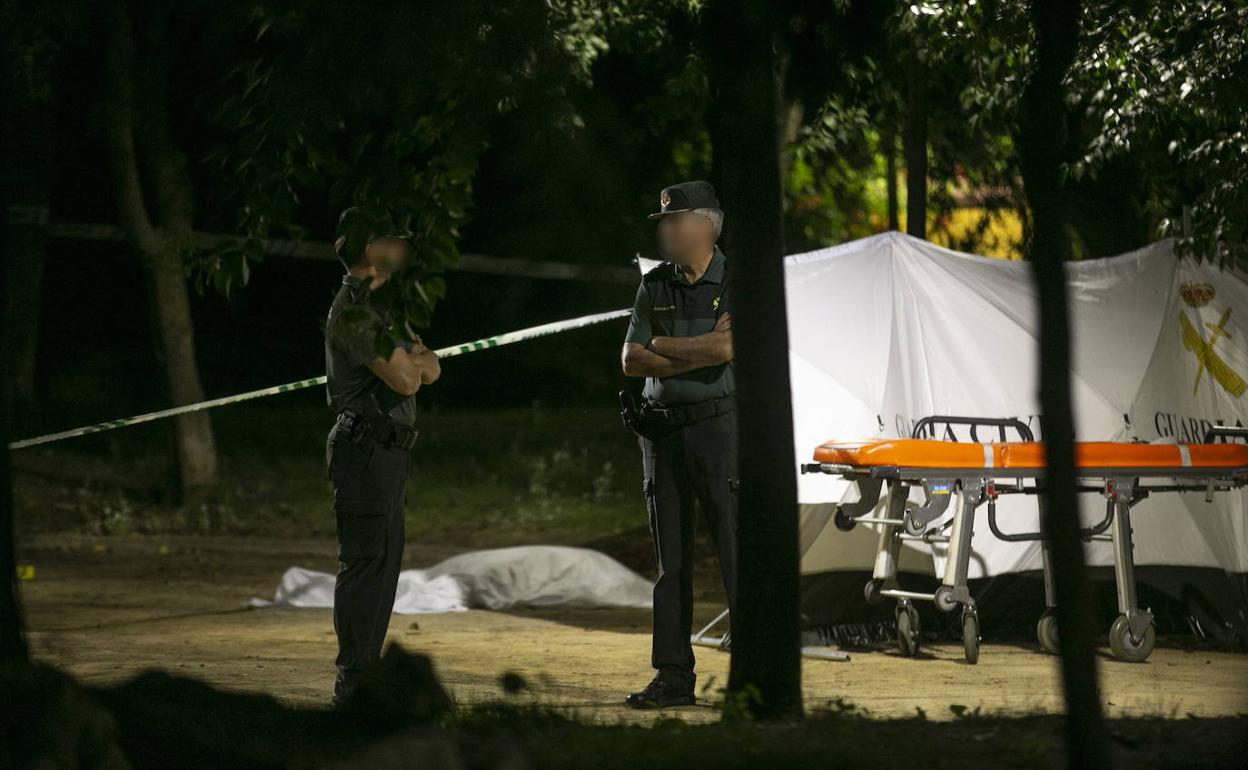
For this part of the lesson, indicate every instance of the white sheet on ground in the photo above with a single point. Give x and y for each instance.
(499, 579)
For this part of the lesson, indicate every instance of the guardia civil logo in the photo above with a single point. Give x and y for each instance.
(1197, 296)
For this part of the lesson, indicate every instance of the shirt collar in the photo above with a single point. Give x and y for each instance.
(714, 271)
(357, 285)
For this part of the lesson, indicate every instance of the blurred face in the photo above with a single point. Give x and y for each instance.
(685, 237)
(388, 255)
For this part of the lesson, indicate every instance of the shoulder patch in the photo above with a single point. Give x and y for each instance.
(350, 321)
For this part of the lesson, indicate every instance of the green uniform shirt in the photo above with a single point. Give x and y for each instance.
(668, 305)
(356, 332)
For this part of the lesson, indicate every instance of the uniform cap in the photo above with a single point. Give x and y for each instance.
(686, 196)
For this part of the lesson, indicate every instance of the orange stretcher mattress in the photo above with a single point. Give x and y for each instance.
(924, 453)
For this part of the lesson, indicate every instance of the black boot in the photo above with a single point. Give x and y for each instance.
(661, 693)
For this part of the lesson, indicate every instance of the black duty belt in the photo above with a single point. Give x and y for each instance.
(677, 415)
(358, 428)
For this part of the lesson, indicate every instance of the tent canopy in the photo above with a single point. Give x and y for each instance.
(890, 329)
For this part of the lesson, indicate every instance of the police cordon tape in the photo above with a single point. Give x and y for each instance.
(519, 335)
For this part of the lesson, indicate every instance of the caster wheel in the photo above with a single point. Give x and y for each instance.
(970, 636)
(908, 630)
(1046, 632)
(911, 526)
(871, 591)
(944, 599)
(842, 520)
(1127, 647)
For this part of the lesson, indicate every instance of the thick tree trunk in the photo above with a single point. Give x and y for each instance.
(1043, 134)
(765, 676)
(134, 128)
(914, 147)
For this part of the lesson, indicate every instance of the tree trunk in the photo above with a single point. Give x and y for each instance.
(134, 128)
(1043, 134)
(765, 675)
(12, 630)
(888, 142)
(789, 127)
(914, 146)
(26, 171)
(195, 445)
(25, 239)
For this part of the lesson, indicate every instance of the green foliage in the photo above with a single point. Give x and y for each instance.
(326, 104)
(1163, 83)
(978, 56)
(1156, 91)
(36, 37)
(588, 29)
(658, 39)
(741, 706)
(336, 107)
(1159, 87)
(975, 59)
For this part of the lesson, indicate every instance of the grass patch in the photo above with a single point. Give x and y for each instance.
(841, 736)
(556, 474)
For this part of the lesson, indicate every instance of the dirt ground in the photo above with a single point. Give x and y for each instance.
(105, 609)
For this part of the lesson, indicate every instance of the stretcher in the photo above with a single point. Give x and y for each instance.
(978, 474)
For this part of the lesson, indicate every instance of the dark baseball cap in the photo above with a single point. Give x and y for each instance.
(359, 226)
(686, 196)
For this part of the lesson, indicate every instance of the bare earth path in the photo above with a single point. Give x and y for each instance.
(106, 609)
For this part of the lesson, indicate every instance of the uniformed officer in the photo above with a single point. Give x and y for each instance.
(373, 370)
(680, 340)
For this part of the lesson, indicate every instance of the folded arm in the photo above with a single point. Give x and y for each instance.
(668, 356)
(430, 364)
(402, 372)
(708, 349)
(637, 361)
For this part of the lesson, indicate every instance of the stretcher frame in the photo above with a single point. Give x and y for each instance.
(1132, 634)
(703, 639)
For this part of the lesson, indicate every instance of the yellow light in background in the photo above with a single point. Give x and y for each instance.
(1002, 237)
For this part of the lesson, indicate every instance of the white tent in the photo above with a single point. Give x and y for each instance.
(889, 329)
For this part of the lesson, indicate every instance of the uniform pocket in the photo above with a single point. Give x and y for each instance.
(361, 528)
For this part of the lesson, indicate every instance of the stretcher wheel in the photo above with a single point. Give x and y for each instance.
(970, 636)
(842, 520)
(943, 598)
(912, 526)
(908, 630)
(871, 591)
(1125, 646)
(1046, 632)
